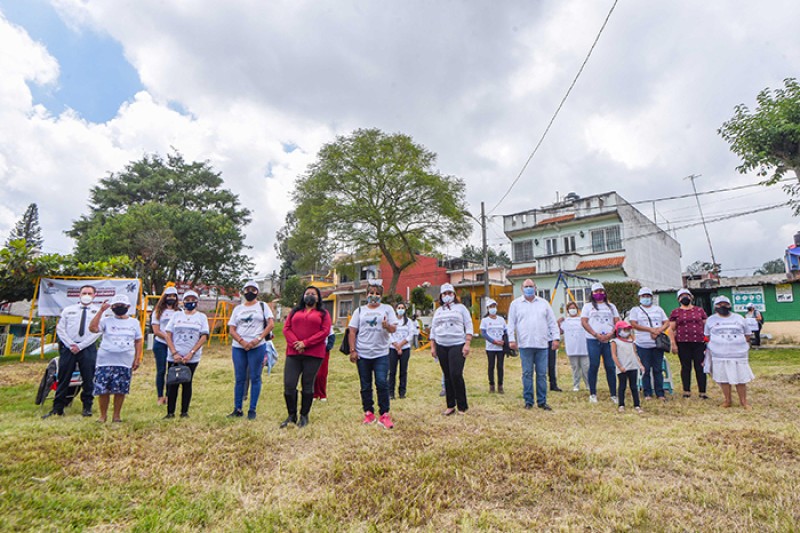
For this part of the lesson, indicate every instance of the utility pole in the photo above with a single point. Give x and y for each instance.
(714, 267)
(485, 255)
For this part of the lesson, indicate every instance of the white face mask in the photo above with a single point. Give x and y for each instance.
(448, 299)
(86, 299)
(492, 311)
(624, 333)
(401, 312)
(572, 311)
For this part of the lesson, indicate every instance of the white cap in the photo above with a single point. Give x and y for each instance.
(120, 299)
(170, 290)
(187, 294)
(490, 302)
(597, 286)
(722, 300)
(645, 290)
(681, 292)
(446, 287)
(751, 305)
(250, 284)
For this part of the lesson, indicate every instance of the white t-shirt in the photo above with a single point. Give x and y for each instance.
(626, 355)
(249, 321)
(601, 320)
(495, 327)
(162, 322)
(657, 316)
(726, 336)
(117, 347)
(372, 340)
(186, 331)
(451, 325)
(574, 337)
(403, 332)
(752, 323)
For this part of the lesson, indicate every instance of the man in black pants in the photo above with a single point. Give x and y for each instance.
(551, 368)
(76, 345)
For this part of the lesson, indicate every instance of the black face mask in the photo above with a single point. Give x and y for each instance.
(685, 301)
(309, 299)
(250, 296)
(190, 306)
(120, 310)
(171, 301)
(723, 311)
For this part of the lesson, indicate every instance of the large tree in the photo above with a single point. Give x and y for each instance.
(173, 220)
(28, 229)
(474, 253)
(776, 266)
(767, 139)
(373, 191)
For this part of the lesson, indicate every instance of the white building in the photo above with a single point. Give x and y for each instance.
(600, 237)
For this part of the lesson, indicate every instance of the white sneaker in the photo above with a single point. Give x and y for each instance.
(614, 400)
(621, 408)
(593, 398)
(576, 389)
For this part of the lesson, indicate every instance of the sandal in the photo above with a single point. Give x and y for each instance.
(687, 394)
(449, 411)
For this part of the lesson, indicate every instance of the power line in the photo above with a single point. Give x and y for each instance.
(558, 109)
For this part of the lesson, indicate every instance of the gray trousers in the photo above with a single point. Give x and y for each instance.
(580, 370)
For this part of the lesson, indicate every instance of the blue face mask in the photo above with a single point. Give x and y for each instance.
(374, 299)
(190, 306)
(529, 291)
(646, 301)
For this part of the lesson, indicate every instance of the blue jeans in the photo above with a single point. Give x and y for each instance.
(534, 358)
(652, 359)
(380, 368)
(248, 363)
(160, 350)
(596, 349)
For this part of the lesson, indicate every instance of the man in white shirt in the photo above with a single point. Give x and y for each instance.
(532, 328)
(76, 345)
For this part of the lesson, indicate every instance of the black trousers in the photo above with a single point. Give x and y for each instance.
(186, 392)
(551, 366)
(631, 376)
(402, 360)
(692, 354)
(295, 367)
(451, 359)
(86, 360)
(498, 356)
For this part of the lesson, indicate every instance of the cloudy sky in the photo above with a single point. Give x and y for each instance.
(257, 87)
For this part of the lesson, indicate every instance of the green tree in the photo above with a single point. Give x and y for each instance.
(293, 288)
(474, 253)
(703, 267)
(776, 266)
(371, 190)
(21, 266)
(172, 219)
(623, 294)
(421, 300)
(302, 251)
(28, 229)
(768, 138)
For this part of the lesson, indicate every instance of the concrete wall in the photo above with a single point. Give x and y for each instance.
(652, 257)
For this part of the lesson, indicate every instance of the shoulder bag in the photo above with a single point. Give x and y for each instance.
(662, 340)
(178, 374)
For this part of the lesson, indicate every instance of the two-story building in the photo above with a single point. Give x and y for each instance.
(599, 237)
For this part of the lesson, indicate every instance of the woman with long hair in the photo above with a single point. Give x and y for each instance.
(166, 307)
(493, 327)
(306, 330)
(598, 318)
(400, 351)
(187, 332)
(451, 333)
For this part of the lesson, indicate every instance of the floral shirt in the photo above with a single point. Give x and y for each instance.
(688, 323)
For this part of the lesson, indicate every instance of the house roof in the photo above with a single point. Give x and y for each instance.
(521, 272)
(555, 220)
(606, 262)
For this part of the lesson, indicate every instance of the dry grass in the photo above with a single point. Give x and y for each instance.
(687, 465)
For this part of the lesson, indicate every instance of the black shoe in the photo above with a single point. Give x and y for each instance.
(289, 420)
(545, 407)
(52, 413)
(237, 413)
(251, 415)
(87, 412)
(402, 396)
(169, 415)
(556, 389)
(528, 406)
(303, 422)
(184, 415)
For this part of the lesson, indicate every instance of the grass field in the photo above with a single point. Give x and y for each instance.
(688, 465)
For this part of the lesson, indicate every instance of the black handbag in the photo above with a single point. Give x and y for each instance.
(178, 374)
(662, 340)
(507, 347)
(345, 346)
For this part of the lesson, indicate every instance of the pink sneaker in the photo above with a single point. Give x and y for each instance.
(386, 421)
(369, 418)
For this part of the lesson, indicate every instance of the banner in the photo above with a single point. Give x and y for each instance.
(783, 293)
(56, 294)
(748, 295)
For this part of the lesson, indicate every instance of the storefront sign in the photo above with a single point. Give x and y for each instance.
(742, 296)
(783, 293)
